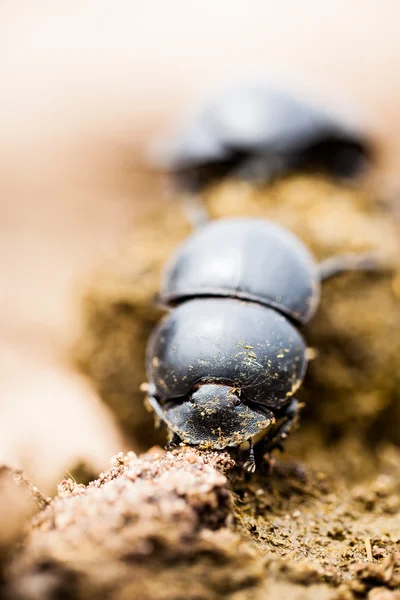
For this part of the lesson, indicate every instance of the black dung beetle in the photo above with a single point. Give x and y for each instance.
(223, 366)
(256, 132)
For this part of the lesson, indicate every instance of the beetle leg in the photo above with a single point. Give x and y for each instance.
(173, 441)
(250, 464)
(283, 430)
(343, 263)
(195, 210)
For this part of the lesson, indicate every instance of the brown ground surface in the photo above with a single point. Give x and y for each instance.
(185, 524)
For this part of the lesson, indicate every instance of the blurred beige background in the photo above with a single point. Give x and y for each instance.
(84, 87)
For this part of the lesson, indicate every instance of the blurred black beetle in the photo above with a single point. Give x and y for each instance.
(258, 132)
(223, 366)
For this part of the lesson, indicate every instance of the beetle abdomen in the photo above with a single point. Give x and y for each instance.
(252, 259)
(224, 340)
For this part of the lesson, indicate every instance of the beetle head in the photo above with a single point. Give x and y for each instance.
(215, 417)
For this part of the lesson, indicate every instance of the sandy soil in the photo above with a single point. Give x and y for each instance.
(184, 524)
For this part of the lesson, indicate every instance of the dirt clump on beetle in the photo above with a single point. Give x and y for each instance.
(352, 387)
(191, 524)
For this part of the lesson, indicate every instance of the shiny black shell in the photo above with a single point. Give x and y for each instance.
(224, 340)
(252, 259)
(256, 131)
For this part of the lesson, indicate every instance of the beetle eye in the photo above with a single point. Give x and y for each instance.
(237, 402)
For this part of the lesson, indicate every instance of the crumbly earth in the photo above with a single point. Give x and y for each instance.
(352, 387)
(186, 524)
